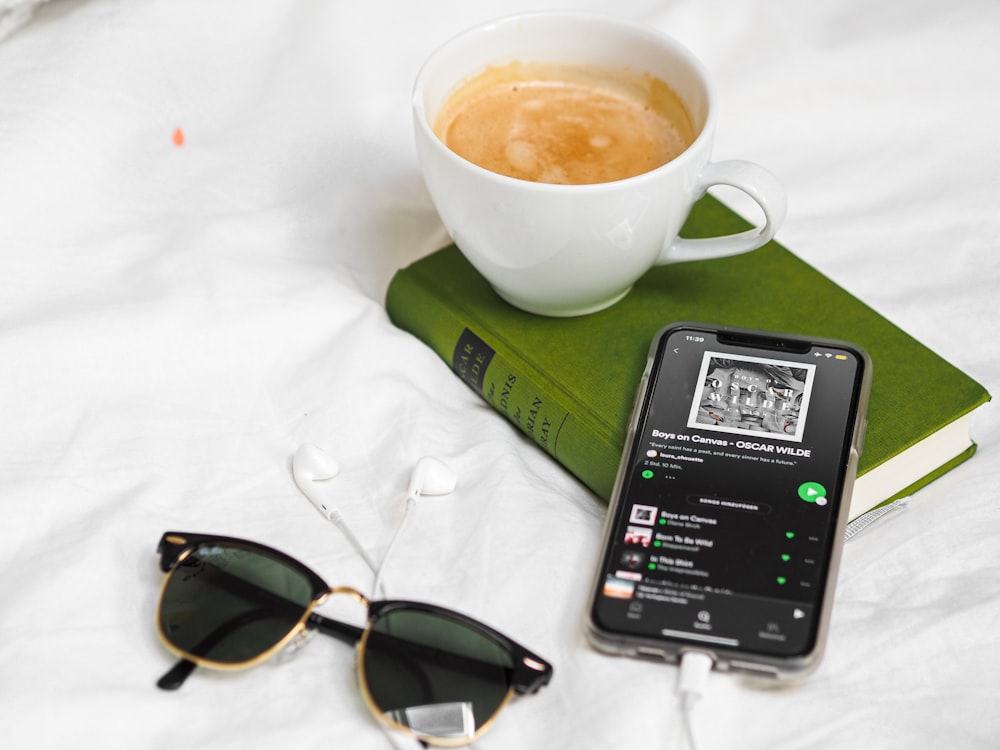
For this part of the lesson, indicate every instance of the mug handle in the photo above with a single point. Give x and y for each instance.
(753, 180)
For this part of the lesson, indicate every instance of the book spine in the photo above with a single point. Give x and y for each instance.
(495, 370)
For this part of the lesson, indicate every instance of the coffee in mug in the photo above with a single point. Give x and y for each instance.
(565, 124)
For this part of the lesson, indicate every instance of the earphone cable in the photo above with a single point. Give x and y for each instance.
(411, 501)
(338, 520)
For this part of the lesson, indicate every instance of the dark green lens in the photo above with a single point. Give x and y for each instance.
(439, 676)
(229, 604)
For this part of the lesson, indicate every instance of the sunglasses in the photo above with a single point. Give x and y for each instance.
(436, 674)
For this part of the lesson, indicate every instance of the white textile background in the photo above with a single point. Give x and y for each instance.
(201, 205)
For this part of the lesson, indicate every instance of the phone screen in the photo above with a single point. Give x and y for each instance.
(730, 494)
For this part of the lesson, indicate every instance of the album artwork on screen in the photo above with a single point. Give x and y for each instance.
(743, 394)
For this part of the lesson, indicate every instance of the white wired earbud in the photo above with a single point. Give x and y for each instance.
(309, 466)
(312, 469)
(431, 476)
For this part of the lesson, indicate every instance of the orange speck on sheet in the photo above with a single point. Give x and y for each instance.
(178, 137)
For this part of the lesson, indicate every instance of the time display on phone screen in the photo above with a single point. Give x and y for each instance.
(731, 494)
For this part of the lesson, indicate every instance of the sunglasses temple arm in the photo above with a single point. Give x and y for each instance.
(174, 678)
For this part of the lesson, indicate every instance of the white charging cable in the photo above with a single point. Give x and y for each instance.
(691, 680)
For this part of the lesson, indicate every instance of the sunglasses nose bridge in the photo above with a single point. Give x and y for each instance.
(353, 593)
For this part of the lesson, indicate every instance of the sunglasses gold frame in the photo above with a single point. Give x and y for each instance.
(529, 672)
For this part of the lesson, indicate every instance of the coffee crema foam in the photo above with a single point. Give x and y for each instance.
(565, 124)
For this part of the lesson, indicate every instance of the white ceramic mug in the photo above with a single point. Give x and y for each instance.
(574, 249)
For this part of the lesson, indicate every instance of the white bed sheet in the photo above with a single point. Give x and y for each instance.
(176, 319)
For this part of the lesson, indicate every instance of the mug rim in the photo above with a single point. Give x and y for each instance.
(654, 35)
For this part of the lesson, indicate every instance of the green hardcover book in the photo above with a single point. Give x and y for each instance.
(569, 383)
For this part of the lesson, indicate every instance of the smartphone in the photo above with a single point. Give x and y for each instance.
(726, 522)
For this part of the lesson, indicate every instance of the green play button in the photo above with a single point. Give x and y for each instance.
(813, 492)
